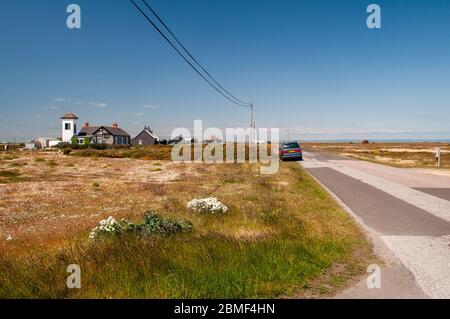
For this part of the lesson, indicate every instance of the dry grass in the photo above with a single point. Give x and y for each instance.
(420, 155)
(281, 234)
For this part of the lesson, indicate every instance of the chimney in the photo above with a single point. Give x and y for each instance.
(86, 124)
(115, 125)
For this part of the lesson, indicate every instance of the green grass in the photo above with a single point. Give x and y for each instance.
(212, 266)
(272, 243)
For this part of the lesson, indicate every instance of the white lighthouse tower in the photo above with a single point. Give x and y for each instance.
(69, 126)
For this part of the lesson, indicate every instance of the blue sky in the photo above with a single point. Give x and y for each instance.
(311, 66)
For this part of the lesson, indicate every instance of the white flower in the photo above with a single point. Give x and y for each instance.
(207, 205)
(109, 225)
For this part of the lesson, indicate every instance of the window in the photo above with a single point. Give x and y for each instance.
(67, 126)
(291, 145)
(140, 142)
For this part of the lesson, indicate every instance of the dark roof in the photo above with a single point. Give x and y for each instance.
(69, 116)
(149, 132)
(91, 130)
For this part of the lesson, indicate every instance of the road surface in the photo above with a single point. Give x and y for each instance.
(406, 213)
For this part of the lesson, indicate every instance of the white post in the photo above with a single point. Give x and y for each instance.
(438, 157)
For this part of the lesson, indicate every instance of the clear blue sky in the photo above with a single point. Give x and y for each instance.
(312, 66)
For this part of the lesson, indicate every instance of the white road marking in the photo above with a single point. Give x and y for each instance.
(405, 176)
(428, 258)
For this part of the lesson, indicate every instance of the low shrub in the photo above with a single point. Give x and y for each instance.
(108, 226)
(153, 225)
(10, 174)
(209, 205)
(10, 158)
(157, 225)
(63, 145)
(52, 163)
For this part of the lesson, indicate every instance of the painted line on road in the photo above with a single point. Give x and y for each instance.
(428, 258)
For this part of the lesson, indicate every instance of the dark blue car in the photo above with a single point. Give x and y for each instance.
(291, 151)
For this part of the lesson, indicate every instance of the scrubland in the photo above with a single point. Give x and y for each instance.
(282, 236)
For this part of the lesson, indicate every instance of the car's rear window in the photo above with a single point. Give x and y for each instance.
(291, 145)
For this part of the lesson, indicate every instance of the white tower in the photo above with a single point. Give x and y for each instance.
(69, 126)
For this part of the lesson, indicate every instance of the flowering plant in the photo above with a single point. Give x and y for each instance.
(107, 226)
(153, 225)
(207, 205)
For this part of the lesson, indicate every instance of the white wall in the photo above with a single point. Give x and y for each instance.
(67, 134)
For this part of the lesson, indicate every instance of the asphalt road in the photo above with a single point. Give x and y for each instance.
(406, 213)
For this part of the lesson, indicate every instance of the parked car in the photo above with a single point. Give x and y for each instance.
(291, 151)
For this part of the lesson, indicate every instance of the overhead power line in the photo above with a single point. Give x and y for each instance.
(190, 55)
(212, 83)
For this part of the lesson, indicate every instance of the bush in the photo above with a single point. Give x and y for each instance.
(74, 140)
(52, 163)
(108, 226)
(63, 145)
(153, 225)
(10, 174)
(86, 141)
(207, 205)
(157, 225)
(98, 146)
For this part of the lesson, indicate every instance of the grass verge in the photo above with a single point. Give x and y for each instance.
(282, 233)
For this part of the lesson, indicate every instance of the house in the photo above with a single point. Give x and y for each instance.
(146, 137)
(46, 142)
(111, 135)
(30, 145)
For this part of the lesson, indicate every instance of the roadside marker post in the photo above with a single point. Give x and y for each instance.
(438, 157)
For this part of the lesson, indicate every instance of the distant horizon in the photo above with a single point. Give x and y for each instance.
(413, 137)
